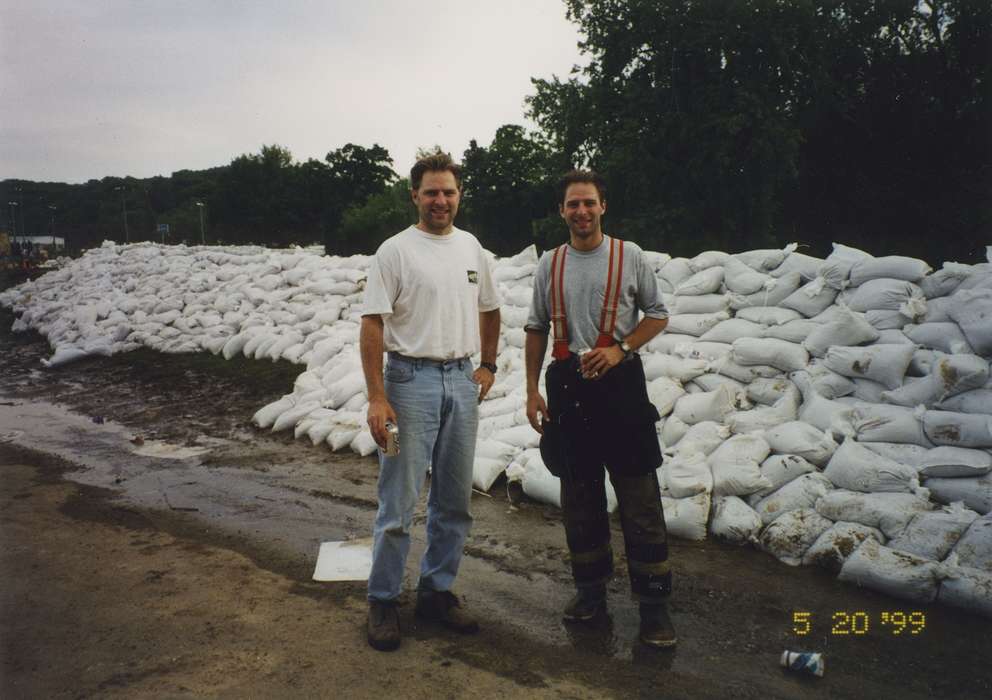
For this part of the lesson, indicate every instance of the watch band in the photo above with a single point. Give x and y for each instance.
(625, 346)
(491, 366)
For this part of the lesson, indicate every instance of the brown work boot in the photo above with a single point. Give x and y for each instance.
(444, 607)
(585, 604)
(656, 626)
(384, 626)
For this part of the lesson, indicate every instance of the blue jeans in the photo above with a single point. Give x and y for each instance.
(437, 412)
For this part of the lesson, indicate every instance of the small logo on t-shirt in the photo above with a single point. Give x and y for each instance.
(473, 277)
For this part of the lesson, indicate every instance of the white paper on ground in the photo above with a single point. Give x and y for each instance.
(344, 561)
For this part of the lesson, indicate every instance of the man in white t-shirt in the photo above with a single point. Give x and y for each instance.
(431, 304)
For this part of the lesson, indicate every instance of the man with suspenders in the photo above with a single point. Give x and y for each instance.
(589, 293)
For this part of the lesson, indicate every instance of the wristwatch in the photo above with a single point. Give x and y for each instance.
(627, 350)
(491, 366)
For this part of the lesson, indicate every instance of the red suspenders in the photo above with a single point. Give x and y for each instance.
(607, 317)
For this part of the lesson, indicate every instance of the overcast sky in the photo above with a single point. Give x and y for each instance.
(90, 88)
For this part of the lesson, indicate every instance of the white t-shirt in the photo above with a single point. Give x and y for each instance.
(429, 291)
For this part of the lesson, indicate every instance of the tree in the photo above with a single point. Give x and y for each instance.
(742, 123)
(356, 173)
(507, 187)
(365, 226)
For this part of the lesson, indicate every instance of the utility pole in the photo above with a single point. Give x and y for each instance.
(127, 235)
(203, 238)
(13, 222)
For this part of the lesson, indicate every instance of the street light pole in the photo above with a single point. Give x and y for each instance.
(51, 225)
(13, 222)
(127, 235)
(203, 238)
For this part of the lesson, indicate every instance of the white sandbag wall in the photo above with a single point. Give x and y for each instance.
(835, 412)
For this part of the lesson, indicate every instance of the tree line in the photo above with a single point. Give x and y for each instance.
(726, 124)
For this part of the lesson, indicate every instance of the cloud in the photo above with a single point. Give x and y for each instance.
(120, 88)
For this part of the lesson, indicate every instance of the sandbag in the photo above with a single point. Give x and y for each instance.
(702, 437)
(835, 545)
(966, 588)
(768, 315)
(806, 265)
(958, 429)
(974, 401)
(700, 304)
(829, 416)
(882, 423)
(974, 549)
(687, 475)
(768, 351)
(663, 393)
(890, 266)
(765, 259)
(802, 439)
(758, 419)
(943, 336)
(973, 313)
(738, 278)
(885, 364)
(727, 331)
(889, 512)
(705, 406)
(945, 280)
(867, 391)
(712, 382)
(836, 269)
(743, 373)
(810, 299)
(672, 432)
(857, 468)
(824, 381)
(789, 536)
(913, 455)
(732, 520)
(704, 350)
(485, 471)
(898, 574)
(687, 517)
(708, 259)
(704, 282)
(792, 331)
(678, 368)
(932, 535)
(975, 492)
(802, 492)
(848, 328)
(768, 391)
(772, 295)
(779, 470)
(948, 461)
(675, 271)
(736, 478)
(888, 294)
(696, 324)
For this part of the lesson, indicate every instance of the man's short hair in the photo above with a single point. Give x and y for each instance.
(588, 177)
(435, 162)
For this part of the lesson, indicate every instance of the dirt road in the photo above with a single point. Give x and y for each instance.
(180, 567)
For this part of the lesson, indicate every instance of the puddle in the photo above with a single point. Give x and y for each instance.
(163, 450)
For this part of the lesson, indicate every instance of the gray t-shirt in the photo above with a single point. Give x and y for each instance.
(585, 287)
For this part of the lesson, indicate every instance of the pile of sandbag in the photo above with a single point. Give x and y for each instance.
(831, 411)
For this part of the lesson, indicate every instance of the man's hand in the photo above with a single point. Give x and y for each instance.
(535, 406)
(485, 379)
(380, 413)
(599, 361)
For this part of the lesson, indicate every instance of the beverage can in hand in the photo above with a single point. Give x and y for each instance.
(392, 440)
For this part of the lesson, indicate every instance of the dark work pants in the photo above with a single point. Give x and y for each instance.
(587, 530)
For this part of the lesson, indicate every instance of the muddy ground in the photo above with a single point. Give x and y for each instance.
(155, 544)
